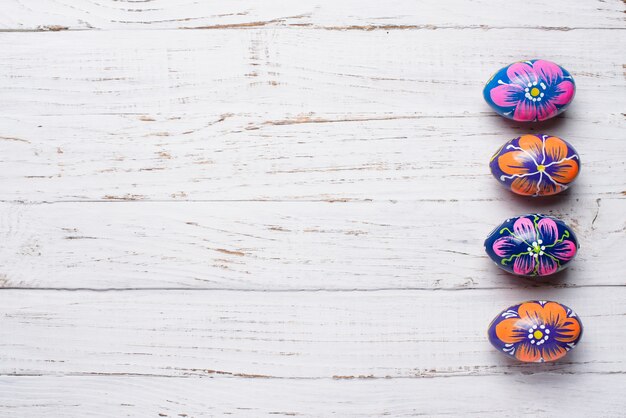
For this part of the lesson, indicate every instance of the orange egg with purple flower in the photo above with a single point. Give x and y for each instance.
(536, 165)
(535, 331)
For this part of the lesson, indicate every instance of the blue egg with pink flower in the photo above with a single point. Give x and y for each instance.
(532, 245)
(530, 91)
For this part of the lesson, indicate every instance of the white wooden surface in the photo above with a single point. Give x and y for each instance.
(278, 208)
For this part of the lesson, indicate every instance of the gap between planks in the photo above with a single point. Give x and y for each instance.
(539, 369)
(273, 25)
(305, 290)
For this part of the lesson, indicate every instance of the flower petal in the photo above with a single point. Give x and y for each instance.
(506, 95)
(556, 149)
(525, 229)
(547, 265)
(509, 332)
(521, 73)
(525, 111)
(526, 186)
(528, 353)
(516, 162)
(548, 71)
(564, 93)
(548, 231)
(568, 330)
(563, 172)
(546, 110)
(533, 145)
(507, 245)
(524, 265)
(564, 251)
(553, 314)
(553, 352)
(532, 312)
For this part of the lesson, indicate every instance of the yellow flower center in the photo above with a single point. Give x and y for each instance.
(538, 335)
(541, 167)
(534, 92)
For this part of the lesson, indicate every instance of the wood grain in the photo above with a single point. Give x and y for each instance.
(56, 15)
(277, 208)
(291, 335)
(484, 396)
(209, 73)
(291, 245)
(286, 115)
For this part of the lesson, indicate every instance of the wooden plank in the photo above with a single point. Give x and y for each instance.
(289, 245)
(286, 115)
(318, 177)
(290, 335)
(403, 159)
(55, 15)
(542, 394)
(112, 158)
(291, 72)
(285, 334)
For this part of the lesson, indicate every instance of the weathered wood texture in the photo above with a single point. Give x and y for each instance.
(57, 15)
(302, 335)
(287, 114)
(206, 353)
(498, 396)
(290, 245)
(284, 215)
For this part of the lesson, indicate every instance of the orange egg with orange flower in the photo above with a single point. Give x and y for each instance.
(536, 331)
(536, 165)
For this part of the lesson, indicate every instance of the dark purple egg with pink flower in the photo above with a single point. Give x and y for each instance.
(530, 91)
(532, 245)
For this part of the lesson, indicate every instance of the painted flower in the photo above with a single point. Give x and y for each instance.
(537, 331)
(535, 90)
(534, 247)
(536, 165)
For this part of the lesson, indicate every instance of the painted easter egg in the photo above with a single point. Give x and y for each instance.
(530, 91)
(536, 331)
(532, 245)
(535, 165)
